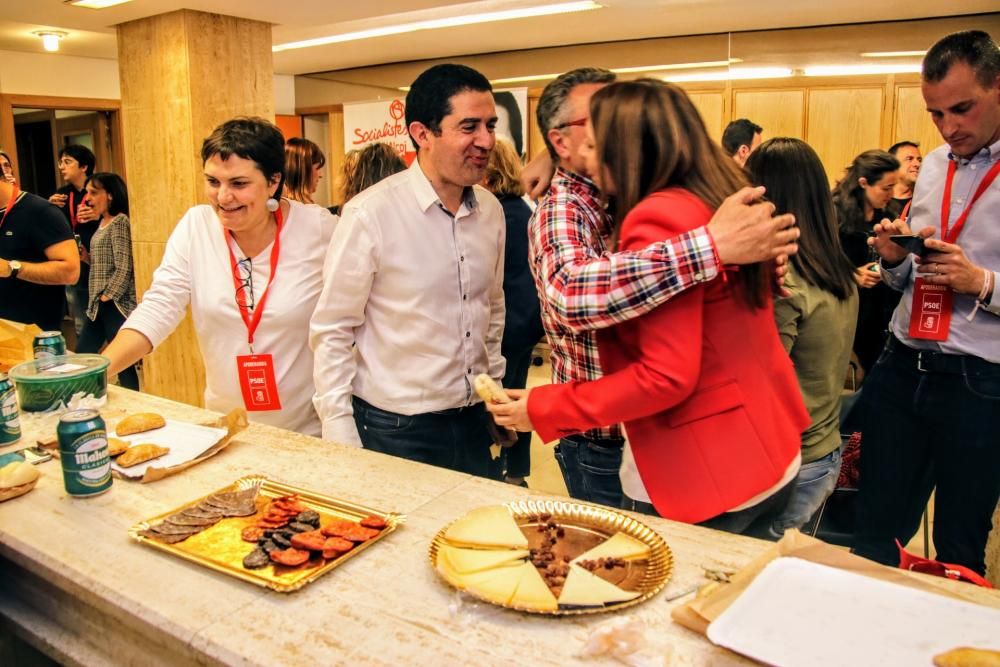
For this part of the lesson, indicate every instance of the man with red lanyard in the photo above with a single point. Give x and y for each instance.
(76, 166)
(37, 257)
(934, 417)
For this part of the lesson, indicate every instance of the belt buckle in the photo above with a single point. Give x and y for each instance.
(920, 362)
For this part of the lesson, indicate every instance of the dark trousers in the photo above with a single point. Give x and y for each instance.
(101, 330)
(456, 439)
(516, 460)
(590, 469)
(930, 421)
(753, 521)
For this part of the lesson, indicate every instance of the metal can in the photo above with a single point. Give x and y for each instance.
(49, 344)
(83, 449)
(10, 422)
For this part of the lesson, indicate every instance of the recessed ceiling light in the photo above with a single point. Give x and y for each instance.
(449, 22)
(733, 74)
(50, 38)
(859, 70)
(95, 4)
(894, 54)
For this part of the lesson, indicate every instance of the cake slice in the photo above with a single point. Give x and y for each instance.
(487, 527)
(469, 561)
(618, 545)
(585, 589)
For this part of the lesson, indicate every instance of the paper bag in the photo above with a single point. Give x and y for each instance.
(16, 343)
(706, 607)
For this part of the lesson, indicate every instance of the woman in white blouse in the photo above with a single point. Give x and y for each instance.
(251, 270)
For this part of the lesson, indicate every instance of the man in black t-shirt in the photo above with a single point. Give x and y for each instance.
(910, 159)
(76, 166)
(38, 256)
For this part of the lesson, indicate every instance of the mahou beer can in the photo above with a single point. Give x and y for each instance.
(83, 448)
(49, 344)
(10, 422)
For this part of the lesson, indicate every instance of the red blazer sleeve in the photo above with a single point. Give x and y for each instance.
(668, 359)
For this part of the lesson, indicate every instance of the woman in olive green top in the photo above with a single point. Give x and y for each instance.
(816, 321)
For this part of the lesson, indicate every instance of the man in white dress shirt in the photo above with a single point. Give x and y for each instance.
(412, 308)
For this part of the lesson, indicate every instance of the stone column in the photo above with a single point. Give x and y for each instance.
(182, 74)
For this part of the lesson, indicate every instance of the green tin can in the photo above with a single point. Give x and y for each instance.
(49, 344)
(83, 449)
(10, 422)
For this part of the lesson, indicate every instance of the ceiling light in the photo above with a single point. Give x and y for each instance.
(619, 70)
(857, 70)
(50, 38)
(95, 4)
(449, 22)
(894, 54)
(733, 74)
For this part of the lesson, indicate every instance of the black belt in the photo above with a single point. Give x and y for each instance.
(928, 361)
(601, 442)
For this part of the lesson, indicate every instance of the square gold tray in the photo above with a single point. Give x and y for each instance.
(220, 547)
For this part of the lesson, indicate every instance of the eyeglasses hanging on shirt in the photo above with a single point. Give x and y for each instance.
(244, 291)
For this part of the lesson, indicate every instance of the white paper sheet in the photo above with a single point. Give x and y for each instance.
(186, 442)
(801, 613)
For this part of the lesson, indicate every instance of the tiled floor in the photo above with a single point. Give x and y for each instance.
(546, 477)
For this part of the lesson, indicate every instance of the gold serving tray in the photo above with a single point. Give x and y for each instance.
(221, 548)
(586, 526)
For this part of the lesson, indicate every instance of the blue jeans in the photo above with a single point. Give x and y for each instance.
(590, 469)
(932, 422)
(815, 482)
(456, 439)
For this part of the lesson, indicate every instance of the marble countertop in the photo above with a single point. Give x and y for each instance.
(84, 592)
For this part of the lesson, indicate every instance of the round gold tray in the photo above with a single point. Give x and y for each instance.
(586, 526)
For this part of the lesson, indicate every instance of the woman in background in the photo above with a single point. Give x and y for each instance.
(860, 199)
(304, 162)
(816, 320)
(708, 395)
(372, 163)
(112, 282)
(250, 265)
(523, 321)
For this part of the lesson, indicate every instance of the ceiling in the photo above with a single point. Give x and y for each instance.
(92, 33)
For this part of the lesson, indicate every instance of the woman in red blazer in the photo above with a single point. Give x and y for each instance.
(708, 396)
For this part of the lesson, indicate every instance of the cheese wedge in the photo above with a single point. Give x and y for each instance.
(618, 545)
(586, 589)
(532, 591)
(497, 585)
(468, 561)
(487, 527)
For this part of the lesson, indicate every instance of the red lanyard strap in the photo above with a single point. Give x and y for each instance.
(14, 192)
(950, 236)
(253, 321)
(72, 212)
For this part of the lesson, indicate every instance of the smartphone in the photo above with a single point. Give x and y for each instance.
(36, 455)
(911, 242)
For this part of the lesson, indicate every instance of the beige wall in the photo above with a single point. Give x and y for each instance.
(54, 74)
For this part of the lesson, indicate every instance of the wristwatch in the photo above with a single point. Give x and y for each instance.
(15, 266)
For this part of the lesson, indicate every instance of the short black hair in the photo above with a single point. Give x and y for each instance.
(738, 133)
(894, 149)
(973, 47)
(429, 98)
(83, 155)
(115, 187)
(251, 138)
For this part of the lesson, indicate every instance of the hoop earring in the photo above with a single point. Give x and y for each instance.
(271, 204)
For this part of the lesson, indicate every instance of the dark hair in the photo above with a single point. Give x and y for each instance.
(83, 155)
(507, 100)
(551, 105)
(975, 48)
(738, 133)
(849, 196)
(301, 155)
(115, 187)
(251, 138)
(429, 98)
(894, 149)
(373, 163)
(796, 183)
(666, 146)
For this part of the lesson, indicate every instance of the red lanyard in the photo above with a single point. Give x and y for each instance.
(14, 192)
(905, 211)
(72, 212)
(946, 201)
(253, 321)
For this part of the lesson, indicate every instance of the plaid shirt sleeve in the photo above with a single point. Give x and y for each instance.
(120, 282)
(587, 290)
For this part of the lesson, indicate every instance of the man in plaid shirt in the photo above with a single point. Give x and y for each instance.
(583, 287)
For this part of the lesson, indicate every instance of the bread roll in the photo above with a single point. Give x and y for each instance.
(17, 473)
(489, 390)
